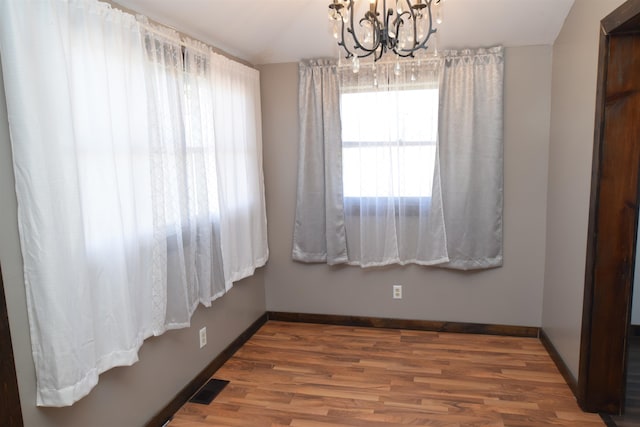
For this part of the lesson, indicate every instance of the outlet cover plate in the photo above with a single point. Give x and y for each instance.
(397, 291)
(203, 337)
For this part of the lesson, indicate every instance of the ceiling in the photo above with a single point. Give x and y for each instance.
(272, 31)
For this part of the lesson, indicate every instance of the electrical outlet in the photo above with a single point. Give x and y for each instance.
(397, 291)
(203, 337)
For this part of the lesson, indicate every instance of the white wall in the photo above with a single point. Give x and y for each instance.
(575, 60)
(511, 295)
(127, 396)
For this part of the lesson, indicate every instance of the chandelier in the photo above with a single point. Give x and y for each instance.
(403, 29)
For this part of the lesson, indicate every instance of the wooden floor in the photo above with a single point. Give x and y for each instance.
(303, 375)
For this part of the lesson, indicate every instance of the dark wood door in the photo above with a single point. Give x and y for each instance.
(10, 411)
(613, 214)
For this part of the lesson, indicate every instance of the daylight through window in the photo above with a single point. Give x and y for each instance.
(389, 143)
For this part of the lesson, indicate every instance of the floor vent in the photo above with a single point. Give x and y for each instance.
(209, 391)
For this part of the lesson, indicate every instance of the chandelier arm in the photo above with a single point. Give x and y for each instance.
(399, 23)
(389, 41)
(409, 54)
(404, 52)
(423, 44)
(411, 18)
(378, 54)
(351, 30)
(366, 55)
(414, 21)
(375, 31)
(346, 49)
(378, 38)
(375, 25)
(407, 10)
(341, 10)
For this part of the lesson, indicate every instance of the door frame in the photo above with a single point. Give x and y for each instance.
(612, 236)
(10, 410)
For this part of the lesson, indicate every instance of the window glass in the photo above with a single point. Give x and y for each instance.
(389, 143)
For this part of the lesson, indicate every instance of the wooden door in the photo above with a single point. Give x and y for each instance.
(613, 214)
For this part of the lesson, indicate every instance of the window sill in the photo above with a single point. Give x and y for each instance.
(377, 206)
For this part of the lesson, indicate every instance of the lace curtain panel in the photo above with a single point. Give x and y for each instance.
(392, 188)
(402, 165)
(138, 197)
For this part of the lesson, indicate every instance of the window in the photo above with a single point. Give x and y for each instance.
(368, 191)
(389, 143)
(130, 208)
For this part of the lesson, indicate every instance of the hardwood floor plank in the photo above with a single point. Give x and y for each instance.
(306, 375)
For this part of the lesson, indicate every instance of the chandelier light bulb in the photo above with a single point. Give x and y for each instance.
(334, 10)
(438, 14)
(344, 11)
(336, 31)
(368, 32)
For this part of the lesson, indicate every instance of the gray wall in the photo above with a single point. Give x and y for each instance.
(575, 59)
(548, 141)
(511, 295)
(127, 396)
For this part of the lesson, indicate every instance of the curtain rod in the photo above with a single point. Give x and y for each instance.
(217, 50)
(346, 63)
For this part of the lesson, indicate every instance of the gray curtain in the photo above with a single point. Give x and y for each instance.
(319, 233)
(471, 156)
(469, 163)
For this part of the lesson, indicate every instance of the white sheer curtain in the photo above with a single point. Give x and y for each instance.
(237, 119)
(393, 204)
(122, 180)
(187, 256)
(77, 125)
